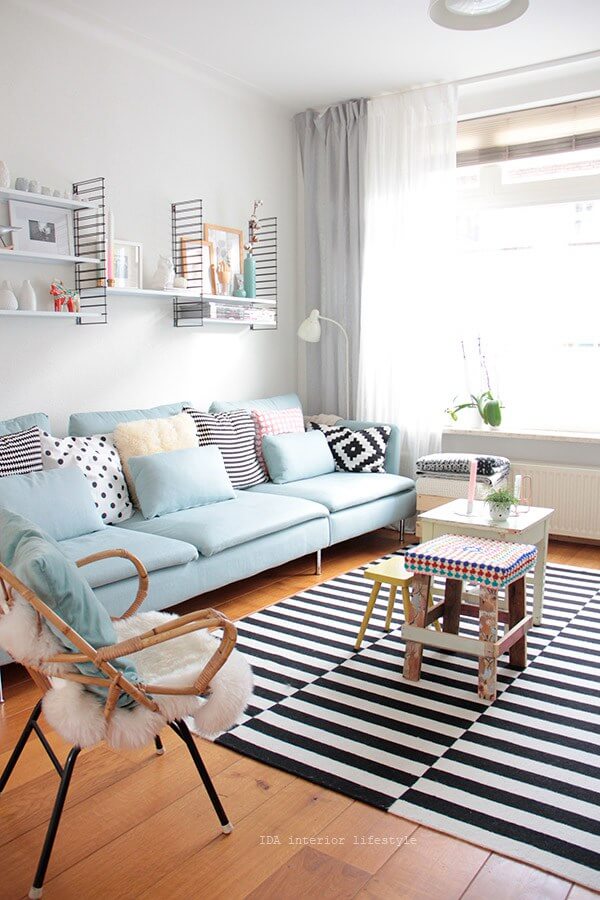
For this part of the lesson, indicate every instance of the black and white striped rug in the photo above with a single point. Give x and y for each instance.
(520, 777)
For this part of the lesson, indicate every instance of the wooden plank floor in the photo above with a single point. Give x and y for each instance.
(138, 826)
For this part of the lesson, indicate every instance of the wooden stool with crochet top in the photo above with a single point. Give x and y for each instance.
(390, 571)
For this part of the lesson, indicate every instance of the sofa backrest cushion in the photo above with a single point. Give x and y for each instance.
(168, 482)
(37, 560)
(22, 423)
(294, 457)
(82, 424)
(283, 401)
(58, 501)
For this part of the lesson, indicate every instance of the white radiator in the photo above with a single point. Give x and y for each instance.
(573, 492)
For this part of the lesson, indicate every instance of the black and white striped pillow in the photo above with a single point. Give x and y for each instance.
(21, 453)
(234, 434)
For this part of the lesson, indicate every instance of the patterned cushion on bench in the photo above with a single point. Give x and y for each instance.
(493, 563)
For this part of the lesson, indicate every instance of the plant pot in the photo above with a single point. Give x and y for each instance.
(499, 512)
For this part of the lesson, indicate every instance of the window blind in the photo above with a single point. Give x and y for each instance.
(560, 128)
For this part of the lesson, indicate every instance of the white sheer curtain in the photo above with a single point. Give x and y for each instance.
(408, 344)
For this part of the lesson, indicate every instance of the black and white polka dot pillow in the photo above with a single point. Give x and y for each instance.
(99, 461)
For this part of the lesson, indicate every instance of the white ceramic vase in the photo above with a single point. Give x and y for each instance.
(27, 297)
(7, 297)
(4, 175)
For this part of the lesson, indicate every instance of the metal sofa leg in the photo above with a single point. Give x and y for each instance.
(38, 882)
(318, 563)
(160, 749)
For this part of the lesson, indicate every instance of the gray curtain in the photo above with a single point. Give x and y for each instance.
(332, 151)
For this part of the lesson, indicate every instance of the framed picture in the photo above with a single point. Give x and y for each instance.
(42, 229)
(191, 248)
(228, 244)
(127, 264)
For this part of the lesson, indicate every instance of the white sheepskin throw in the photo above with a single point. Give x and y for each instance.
(78, 715)
(148, 436)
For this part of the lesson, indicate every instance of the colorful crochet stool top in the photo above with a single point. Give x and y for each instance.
(493, 563)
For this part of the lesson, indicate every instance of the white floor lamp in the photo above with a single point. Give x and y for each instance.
(310, 331)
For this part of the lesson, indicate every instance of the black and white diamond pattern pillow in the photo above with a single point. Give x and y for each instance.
(99, 461)
(21, 453)
(357, 451)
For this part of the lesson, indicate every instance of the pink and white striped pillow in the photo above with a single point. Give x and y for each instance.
(275, 421)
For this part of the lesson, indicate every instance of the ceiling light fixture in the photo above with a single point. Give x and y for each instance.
(474, 15)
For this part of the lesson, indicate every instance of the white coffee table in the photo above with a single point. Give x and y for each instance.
(531, 527)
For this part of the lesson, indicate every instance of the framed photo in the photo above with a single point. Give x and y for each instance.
(191, 249)
(228, 244)
(42, 229)
(127, 264)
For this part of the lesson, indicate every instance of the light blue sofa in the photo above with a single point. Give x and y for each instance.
(193, 551)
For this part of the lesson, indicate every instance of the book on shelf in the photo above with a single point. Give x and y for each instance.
(239, 313)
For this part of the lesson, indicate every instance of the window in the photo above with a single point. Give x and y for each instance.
(529, 276)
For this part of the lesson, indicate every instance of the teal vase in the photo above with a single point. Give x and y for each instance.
(250, 276)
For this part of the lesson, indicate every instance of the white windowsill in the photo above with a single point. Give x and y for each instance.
(567, 436)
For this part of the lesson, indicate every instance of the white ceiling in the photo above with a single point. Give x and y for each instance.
(305, 53)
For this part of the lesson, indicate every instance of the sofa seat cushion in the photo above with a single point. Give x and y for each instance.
(155, 552)
(341, 490)
(215, 528)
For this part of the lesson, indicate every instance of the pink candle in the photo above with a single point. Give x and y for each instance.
(472, 483)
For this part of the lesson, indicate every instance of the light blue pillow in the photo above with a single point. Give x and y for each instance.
(180, 479)
(39, 563)
(283, 401)
(22, 423)
(59, 501)
(293, 457)
(86, 423)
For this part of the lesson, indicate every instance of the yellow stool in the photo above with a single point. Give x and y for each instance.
(392, 572)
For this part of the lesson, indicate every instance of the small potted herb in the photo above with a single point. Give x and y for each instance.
(500, 503)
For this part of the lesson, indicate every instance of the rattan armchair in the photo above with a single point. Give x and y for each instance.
(116, 684)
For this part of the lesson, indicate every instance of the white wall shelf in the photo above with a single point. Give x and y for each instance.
(208, 321)
(46, 314)
(148, 292)
(27, 256)
(43, 199)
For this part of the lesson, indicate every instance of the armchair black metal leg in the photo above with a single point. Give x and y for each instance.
(160, 749)
(14, 757)
(61, 796)
(180, 728)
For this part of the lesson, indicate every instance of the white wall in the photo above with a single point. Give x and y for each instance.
(76, 103)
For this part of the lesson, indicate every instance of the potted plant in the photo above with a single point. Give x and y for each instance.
(486, 404)
(500, 503)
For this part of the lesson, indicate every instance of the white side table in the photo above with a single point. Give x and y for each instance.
(530, 527)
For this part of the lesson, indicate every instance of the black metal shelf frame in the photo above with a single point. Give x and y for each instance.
(187, 234)
(186, 249)
(89, 236)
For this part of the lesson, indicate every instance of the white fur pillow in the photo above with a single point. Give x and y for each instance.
(147, 436)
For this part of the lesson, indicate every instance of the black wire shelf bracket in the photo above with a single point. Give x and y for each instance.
(89, 237)
(186, 250)
(265, 254)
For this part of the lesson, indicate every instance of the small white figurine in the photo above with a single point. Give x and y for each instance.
(163, 278)
(180, 282)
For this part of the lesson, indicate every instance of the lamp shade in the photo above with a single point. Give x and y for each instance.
(473, 15)
(310, 329)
